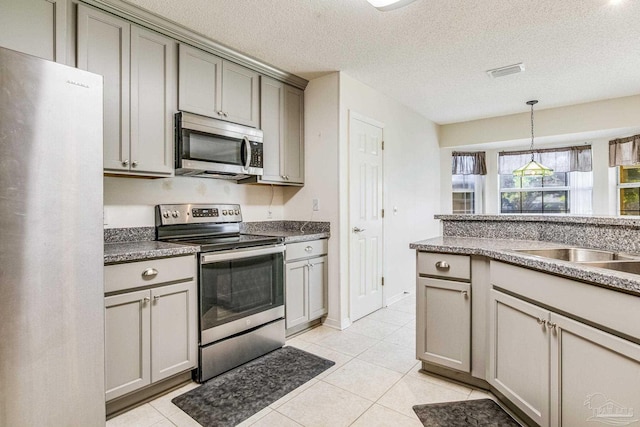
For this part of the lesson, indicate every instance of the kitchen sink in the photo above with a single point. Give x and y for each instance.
(623, 266)
(578, 254)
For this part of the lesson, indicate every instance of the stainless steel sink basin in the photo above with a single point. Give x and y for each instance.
(624, 266)
(578, 254)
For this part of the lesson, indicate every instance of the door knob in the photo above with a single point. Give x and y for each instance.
(358, 230)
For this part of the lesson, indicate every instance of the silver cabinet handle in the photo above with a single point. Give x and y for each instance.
(149, 273)
(225, 114)
(308, 248)
(156, 298)
(465, 294)
(442, 265)
(145, 300)
(219, 113)
(309, 265)
(134, 164)
(358, 230)
(541, 321)
(125, 163)
(552, 325)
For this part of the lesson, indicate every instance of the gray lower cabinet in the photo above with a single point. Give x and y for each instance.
(281, 120)
(139, 69)
(214, 87)
(35, 27)
(151, 334)
(443, 321)
(559, 371)
(519, 354)
(595, 376)
(305, 283)
(444, 335)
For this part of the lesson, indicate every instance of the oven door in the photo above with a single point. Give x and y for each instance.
(240, 290)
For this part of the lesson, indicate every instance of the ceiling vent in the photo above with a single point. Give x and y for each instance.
(505, 71)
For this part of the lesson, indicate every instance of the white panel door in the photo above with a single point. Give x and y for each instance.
(365, 212)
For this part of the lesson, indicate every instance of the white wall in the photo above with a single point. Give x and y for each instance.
(129, 202)
(411, 182)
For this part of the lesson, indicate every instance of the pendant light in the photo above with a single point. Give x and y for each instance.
(532, 168)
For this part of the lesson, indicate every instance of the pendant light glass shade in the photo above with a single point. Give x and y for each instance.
(532, 168)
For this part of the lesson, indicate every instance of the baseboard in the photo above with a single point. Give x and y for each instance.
(394, 299)
(337, 324)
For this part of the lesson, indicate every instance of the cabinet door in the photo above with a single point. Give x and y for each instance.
(35, 27)
(127, 343)
(444, 334)
(519, 354)
(293, 135)
(318, 273)
(296, 294)
(240, 94)
(272, 125)
(153, 102)
(103, 48)
(199, 82)
(595, 376)
(174, 322)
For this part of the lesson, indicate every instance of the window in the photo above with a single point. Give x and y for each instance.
(568, 190)
(467, 172)
(464, 197)
(534, 194)
(629, 190)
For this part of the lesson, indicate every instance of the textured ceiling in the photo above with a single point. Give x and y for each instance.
(432, 54)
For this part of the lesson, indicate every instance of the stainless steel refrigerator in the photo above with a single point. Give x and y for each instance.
(51, 244)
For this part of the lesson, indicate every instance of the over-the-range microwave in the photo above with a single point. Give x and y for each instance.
(212, 148)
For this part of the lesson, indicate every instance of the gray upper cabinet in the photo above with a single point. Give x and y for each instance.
(35, 27)
(281, 120)
(217, 88)
(139, 69)
(199, 81)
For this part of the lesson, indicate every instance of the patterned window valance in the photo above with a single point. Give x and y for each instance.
(472, 163)
(624, 151)
(565, 159)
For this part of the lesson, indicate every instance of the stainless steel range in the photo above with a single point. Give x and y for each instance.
(241, 283)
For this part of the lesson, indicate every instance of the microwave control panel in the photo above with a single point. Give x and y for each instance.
(256, 155)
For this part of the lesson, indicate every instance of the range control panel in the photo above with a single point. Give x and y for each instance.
(197, 214)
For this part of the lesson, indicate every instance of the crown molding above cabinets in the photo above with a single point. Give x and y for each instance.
(185, 35)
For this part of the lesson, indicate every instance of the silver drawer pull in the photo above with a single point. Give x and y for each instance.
(308, 248)
(149, 273)
(465, 294)
(443, 265)
(156, 298)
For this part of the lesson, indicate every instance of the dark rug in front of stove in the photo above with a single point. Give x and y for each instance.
(467, 413)
(234, 396)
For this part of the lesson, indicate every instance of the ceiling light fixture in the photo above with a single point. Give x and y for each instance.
(532, 168)
(505, 71)
(386, 5)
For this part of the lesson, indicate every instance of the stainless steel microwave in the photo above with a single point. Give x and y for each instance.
(213, 148)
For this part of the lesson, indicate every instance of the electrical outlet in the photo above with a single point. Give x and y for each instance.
(316, 204)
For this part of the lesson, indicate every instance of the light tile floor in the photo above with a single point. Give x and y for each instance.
(375, 381)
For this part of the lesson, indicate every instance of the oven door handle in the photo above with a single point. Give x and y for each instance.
(240, 254)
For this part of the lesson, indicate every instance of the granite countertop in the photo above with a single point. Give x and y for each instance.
(138, 251)
(503, 250)
(137, 244)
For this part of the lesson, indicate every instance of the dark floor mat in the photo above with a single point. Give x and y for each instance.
(234, 396)
(467, 413)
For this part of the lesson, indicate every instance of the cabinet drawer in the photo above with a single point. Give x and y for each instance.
(444, 265)
(119, 277)
(306, 249)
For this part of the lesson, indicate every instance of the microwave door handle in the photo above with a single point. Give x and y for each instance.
(247, 152)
